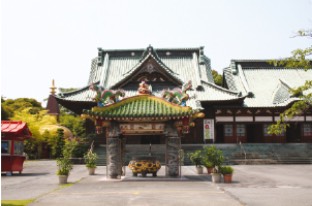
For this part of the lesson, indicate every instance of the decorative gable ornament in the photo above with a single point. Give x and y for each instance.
(104, 97)
(177, 95)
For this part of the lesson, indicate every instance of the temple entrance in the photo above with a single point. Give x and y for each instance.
(150, 119)
(146, 139)
(151, 139)
(141, 160)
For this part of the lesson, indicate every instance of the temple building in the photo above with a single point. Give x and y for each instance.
(146, 89)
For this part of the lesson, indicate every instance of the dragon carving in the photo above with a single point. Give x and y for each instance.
(177, 95)
(104, 96)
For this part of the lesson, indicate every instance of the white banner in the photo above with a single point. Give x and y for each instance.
(208, 129)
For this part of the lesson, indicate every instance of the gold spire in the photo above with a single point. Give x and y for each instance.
(53, 88)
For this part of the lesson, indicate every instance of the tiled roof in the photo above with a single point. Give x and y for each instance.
(141, 106)
(281, 93)
(15, 127)
(267, 85)
(183, 64)
(86, 95)
(212, 92)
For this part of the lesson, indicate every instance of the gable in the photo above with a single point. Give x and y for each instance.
(150, 71)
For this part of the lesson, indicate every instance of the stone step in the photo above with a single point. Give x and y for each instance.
(234, 153)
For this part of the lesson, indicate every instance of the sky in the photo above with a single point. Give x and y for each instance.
(43, 40)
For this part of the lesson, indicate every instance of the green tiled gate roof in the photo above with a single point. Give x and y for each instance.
(140, 106)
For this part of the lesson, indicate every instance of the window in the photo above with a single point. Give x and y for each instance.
(5, 147)
(240, 130)
(228, 130)
(18, 148)
(307, 129)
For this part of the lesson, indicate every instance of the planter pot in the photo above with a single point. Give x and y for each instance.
(227, 178)
(216, 177)
(199, 170)
(209, 170)
(91, 171)
(63, 179)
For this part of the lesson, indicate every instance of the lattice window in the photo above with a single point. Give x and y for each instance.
(307, 129)
(228, 130)
(240, 130)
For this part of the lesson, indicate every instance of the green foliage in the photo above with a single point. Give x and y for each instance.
(57, 149)
(218, 79)
(64, 165)
(90, 159)
(34, 123)
(20, 104)
(196, 157)
(226, 170)
(299, 59)
(78, 147)
(74, 123)
(5, 113)
(213, 156)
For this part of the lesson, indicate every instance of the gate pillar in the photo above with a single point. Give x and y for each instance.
(173, 146)
(114, 152)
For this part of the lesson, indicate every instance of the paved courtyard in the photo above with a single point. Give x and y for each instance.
(253, 185)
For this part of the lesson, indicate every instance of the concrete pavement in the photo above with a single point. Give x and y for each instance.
(253, 185)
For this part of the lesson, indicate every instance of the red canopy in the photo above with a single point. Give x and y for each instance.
(14, 129)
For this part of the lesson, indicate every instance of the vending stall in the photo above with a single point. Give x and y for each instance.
(13, 134)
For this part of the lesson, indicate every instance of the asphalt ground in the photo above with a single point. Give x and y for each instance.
(253, 185)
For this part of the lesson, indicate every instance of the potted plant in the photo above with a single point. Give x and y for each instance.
(227, 172)
(196, 158)
(64, 167)
(216, 158)
(208, 165)
(90, 160)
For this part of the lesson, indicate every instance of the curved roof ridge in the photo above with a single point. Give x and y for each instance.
(281, 93)
(159, 49)
(244, 80)
(64, 94)
(221, 88)
(228, 77)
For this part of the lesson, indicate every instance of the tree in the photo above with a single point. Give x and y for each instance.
(9, 106)
(74, 123)
(34, 123)
(299, 59)
(217, 77)
(57, 150)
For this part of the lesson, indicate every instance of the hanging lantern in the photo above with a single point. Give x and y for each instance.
(186, 125)
(185, 121)
(99, 129)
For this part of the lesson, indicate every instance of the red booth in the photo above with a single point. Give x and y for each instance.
(13, 134)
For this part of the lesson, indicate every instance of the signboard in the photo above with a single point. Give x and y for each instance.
(208, 129)
(142, 128)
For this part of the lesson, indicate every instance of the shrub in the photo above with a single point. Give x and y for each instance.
(90, 159)
(226, 170)
(196, 157)
(214, 156)
(64, 165)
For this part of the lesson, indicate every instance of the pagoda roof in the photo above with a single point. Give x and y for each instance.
(182, 64)
(140, 106)
(263, 84)
(114, 69)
